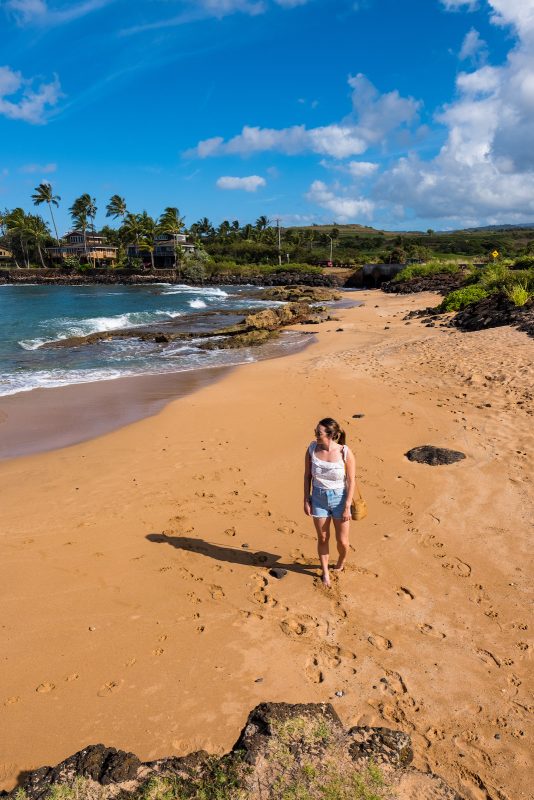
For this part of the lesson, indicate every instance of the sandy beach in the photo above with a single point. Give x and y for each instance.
(137, 608)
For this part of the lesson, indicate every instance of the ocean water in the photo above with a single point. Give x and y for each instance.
(32, 316)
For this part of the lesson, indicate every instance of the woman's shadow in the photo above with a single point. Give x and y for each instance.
(233, 555)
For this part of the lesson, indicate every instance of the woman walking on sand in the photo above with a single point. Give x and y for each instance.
(330, 469)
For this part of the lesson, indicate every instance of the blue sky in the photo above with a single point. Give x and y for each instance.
(403, 115)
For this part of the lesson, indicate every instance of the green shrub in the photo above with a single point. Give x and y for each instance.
(519, 294)
(461, 298)
(430, 268)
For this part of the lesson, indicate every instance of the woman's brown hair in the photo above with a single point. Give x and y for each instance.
(333, 430)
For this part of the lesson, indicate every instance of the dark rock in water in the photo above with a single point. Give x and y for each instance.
(428, 454)
(102, 764)
(381, 744)
(278, 572)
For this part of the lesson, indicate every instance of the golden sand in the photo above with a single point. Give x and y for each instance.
(137, 609)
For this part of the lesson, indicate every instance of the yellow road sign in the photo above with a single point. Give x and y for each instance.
(495, 253)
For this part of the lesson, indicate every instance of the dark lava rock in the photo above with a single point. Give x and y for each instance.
(381, 744)
(267, 718)
(494, 311)
(278, 572)
(442, 282)
(358, 416)
(428, 454)
(102, 764)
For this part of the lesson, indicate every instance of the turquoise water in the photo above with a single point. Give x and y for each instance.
(31, 316)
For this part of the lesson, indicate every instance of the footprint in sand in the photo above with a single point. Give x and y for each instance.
(158, 651)
(11, 701)
(314, 670)
(364, 571)
(429, 630)
(286, 529)
(130, 662)
(72, 677)
(488, 658)
(45, 688)
(456, 566)
(380, 642)
(108, 688)
(216, 592)
(405, 593)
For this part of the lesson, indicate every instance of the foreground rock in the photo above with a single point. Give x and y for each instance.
(283, 751)
(434, 456)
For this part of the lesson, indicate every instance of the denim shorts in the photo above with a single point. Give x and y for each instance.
(328, 502)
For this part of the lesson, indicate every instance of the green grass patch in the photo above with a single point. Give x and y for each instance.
(423, 270)
(461, 298)
(519, 294)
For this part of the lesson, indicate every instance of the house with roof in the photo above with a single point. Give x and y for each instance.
(6, 256)
(91, 247)
(167, 248)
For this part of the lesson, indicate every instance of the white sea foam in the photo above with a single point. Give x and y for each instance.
(205, 291)
(197, 303)
(84, 327)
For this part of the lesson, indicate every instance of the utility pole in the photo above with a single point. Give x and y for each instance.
(331, 247)
(279, 242)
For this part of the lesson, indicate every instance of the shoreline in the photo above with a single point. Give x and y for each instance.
(138, 606)
(41, 420)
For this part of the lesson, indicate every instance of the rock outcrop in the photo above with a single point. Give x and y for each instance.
(434, 456)
(284, 750)
(443, 283)
(300, 294)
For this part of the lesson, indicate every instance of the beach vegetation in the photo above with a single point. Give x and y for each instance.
(519, 293)
(433, 267)
(45, 194)
(461, 298)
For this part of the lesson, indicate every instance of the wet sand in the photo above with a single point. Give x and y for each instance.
(137, 608)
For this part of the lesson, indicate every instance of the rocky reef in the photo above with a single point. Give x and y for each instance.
(253, 329)
(284, 751)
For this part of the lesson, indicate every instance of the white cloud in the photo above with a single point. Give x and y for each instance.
(250, 183)
(485, 169)
(473, 47)
(31, 105)
(38, 12)
(357, 169)
(344, 206)
(373, 118)
(197, 10)
(44, 169)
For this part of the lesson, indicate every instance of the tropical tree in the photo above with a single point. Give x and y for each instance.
(116, 207)
(224, 229)
(81, 211)
(44, 194)
(37, 231)
(172, 223)
(205, 228)
(262, 223)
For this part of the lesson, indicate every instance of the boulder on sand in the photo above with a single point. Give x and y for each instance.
(434, 456)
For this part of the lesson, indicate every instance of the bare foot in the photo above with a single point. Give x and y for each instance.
(325, 577)
(338, 568)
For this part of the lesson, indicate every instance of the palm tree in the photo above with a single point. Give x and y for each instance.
(235, 226)
(37, 230)
(44, 194)
(172, 223)
(116, 207)
(262, 223)
(224, 229)
(247, 231)
(204, 227)
(16, 227)
(83, 209)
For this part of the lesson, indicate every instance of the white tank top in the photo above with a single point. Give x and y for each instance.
(327, 474)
